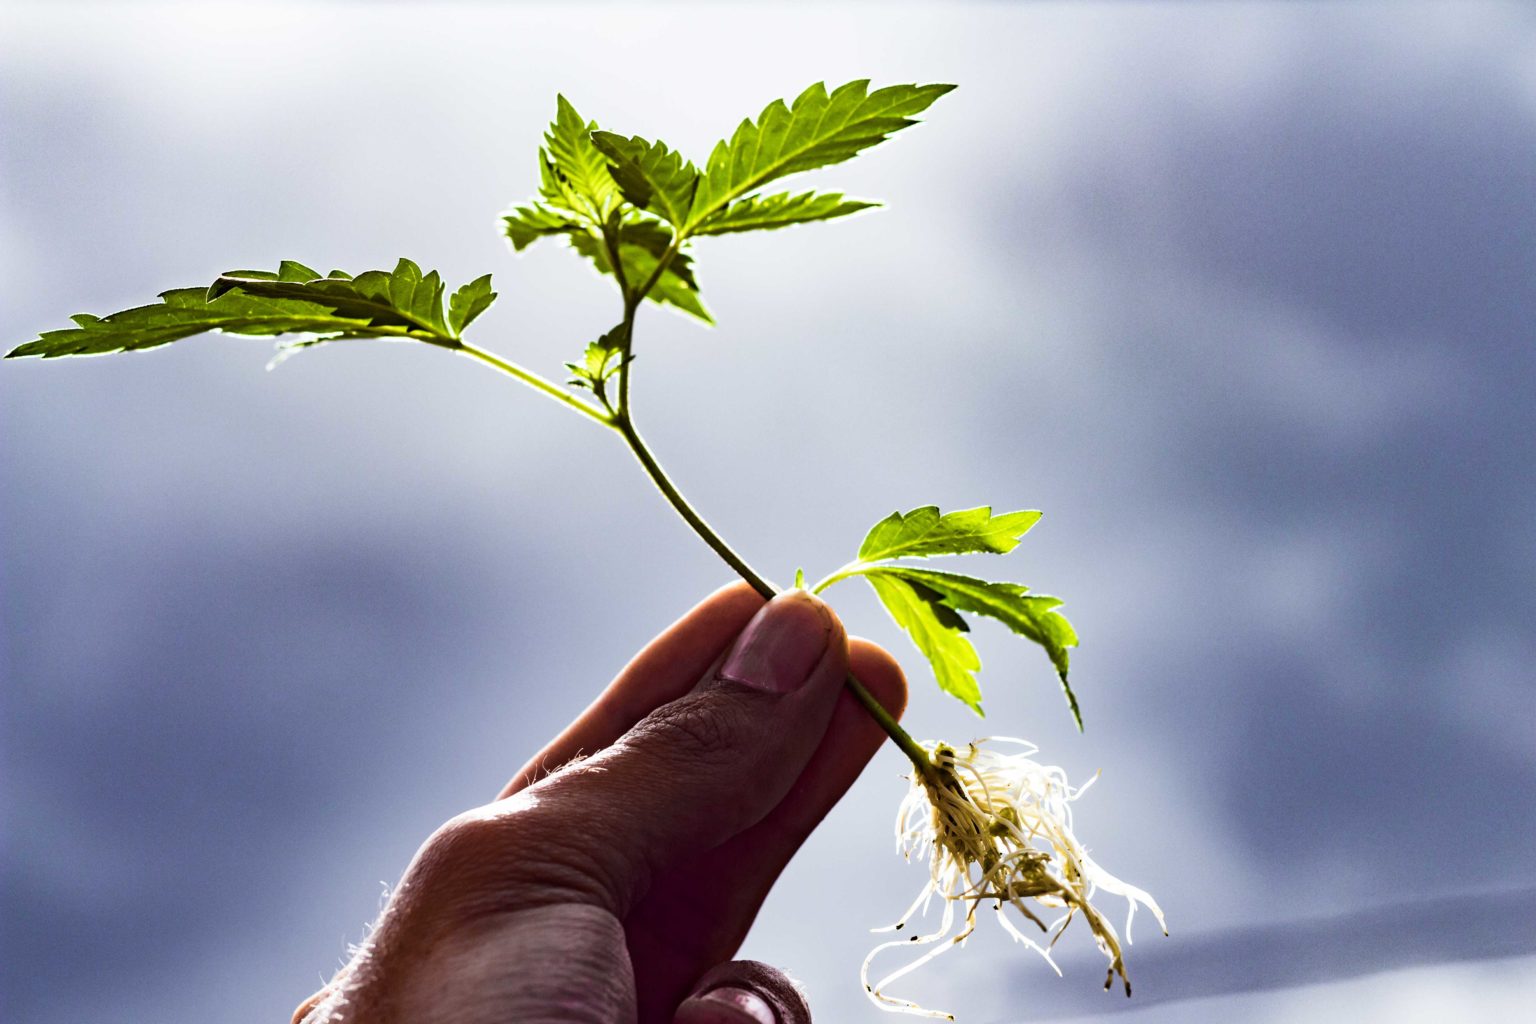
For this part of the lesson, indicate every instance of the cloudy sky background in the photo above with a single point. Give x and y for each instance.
(1242, 296)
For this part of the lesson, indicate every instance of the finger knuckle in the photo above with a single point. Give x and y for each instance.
(463, 844)
(695, 729)
(500, 859)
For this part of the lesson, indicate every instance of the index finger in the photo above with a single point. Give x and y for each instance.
(665, 669)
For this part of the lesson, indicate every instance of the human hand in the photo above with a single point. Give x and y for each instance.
(618, 888)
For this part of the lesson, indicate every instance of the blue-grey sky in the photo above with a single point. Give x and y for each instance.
(1241, 295)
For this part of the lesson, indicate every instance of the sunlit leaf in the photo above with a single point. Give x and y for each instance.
(641, 245)
(818, 129)
(1029, 615)
(923, 532)
(294, 299)
(651, 176)
(576, 173)
(756, 213)
(937, 632)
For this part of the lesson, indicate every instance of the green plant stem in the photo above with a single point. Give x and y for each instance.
(899, 736)
(535, 381)
(620, 419)
(631, 304)
(642, 452)
(632, 300)
(846, 572)
(624, 422)
(626, 428)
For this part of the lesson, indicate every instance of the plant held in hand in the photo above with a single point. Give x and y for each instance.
(996, 827)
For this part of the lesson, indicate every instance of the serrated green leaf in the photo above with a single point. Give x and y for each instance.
(641, 245)
(183, 313)
(469, 302)
(817, 130)
(672, 288)
(524, 225)
(651, 176)
(1029, 615)
(600, 361)
(923, 532)
(576, 173)
(287, 270)
(402, 297)
(757, 213)
(934, 630)
(292, 300)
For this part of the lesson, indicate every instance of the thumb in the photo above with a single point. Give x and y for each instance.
(694, 772)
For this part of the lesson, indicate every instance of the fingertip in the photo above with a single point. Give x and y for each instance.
(838, 640)
(794, 642)
(734, 597)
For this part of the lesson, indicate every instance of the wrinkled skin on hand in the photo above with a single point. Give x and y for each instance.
(617, 888)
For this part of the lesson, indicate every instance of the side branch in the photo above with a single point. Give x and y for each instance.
(535, 381)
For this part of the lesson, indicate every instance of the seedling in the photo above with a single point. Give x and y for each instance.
(995, 827)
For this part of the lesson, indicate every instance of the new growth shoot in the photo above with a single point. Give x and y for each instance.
(995, 827)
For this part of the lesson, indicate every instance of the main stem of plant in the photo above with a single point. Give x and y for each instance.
(623, 422)
(626, 427)
(618, 417)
